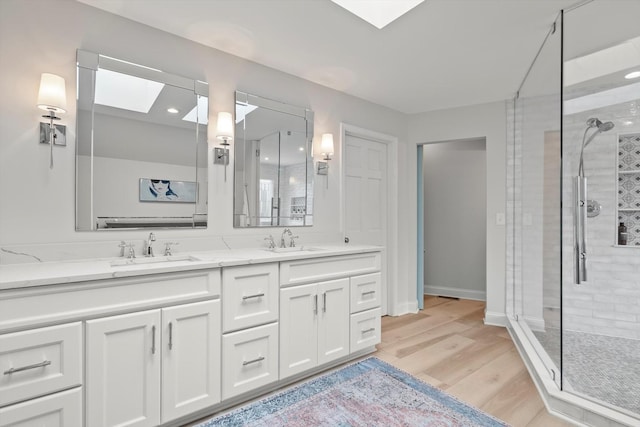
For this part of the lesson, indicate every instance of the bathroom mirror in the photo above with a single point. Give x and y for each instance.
(273, 163)
(141, 151)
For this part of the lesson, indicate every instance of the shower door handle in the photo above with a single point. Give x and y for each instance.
(580, 229)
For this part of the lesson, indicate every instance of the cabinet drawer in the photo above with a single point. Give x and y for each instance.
(326, 268)
(250, 296)
(62, 409)
(250, 359)
(40, 361)
(365, 329)
(365, 292)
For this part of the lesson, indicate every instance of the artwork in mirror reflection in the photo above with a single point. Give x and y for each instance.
(273, 163)
(137, 125)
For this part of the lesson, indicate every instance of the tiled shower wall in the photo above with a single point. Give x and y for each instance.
(609, 304)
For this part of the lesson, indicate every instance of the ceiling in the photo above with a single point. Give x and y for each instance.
(442, 54)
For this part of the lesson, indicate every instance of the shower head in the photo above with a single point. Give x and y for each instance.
(606, 126)
(601, 127)
(594, 122)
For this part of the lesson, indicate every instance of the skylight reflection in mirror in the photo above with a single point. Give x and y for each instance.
(126, 92)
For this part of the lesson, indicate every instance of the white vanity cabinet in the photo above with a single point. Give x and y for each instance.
(319, 298)
(151, 367)
(314, 325)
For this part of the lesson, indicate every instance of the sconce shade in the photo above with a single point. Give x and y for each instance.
(326, 145)
(52, 95)
(224, 128)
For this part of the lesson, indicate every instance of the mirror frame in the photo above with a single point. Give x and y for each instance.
(93, 61)
(302, 112)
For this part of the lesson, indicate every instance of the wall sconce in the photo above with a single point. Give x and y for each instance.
(326, 149)
(224, 133)
(52, 97)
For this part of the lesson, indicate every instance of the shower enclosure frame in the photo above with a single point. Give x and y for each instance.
(547, 373)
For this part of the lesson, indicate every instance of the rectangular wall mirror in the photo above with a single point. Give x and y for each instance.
(141, 151)
(273, 163)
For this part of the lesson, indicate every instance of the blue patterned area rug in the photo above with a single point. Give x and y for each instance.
(368, 393)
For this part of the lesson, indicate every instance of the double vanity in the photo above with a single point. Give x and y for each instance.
(167, 340)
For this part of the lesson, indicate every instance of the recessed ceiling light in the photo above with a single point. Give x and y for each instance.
(633, 75)
(172, 110)
(378, 13)
(266, 158)
(301, 148)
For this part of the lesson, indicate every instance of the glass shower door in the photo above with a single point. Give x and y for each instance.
(537, 170)
(601, 150)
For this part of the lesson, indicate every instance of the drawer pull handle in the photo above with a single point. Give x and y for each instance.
(153, 339)
(249, 362)
(368, 293)
(170, 335)
(315, 304)
(26, 368)
(260, 295)
(324, 302)
(368, 330)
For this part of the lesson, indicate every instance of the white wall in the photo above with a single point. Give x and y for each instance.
(479, 121)
(37, 213)
(455, 232)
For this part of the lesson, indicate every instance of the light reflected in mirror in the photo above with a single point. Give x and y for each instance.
(273, 163)
(141, 152)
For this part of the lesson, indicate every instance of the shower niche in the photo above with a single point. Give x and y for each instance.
(628, 187)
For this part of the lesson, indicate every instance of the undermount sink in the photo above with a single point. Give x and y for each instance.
(294, 249)
(125, 262)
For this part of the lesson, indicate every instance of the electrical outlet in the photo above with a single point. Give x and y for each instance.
(501, 218)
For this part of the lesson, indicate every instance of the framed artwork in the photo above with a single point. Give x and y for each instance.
(167, 190)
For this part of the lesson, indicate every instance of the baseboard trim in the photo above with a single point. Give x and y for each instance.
(405, 308)
(455, 292)
(495, 319)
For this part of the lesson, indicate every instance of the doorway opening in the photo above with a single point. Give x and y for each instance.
(452, 219)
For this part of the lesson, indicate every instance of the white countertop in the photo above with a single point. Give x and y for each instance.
(16, 276)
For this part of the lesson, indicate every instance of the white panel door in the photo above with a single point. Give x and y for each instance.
(365, 196)
(190, 358)
(298, 329)
(333, 324)
(123, 370)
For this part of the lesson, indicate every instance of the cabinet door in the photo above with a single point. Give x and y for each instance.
(298, 329)
(123, 370)
(191, 358)
(333, 324)
(55, 410)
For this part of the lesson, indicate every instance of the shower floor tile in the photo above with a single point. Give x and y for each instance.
(598, 366)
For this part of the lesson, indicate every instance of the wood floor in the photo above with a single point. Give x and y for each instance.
(448, 346)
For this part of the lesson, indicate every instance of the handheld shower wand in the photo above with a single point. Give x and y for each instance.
(582, 205)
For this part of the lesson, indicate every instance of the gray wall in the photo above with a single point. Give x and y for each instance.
(455, 233)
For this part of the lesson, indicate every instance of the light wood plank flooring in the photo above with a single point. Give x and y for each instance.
(448, 346)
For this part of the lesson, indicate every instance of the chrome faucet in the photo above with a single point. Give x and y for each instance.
(270, 241)
(282, 242)
(148, 248)
(291, 237)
